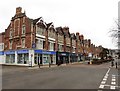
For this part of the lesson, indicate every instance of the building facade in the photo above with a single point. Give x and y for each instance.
(30, 42)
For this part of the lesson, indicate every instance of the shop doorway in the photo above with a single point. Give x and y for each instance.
(38, 58)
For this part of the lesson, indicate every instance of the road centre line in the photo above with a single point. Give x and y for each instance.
(108, 71)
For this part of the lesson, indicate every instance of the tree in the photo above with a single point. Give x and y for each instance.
(103, 53)
(115, 34)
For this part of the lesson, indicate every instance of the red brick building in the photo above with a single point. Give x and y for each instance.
(32, 41)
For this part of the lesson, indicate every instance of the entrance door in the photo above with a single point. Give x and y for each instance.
(41, 59)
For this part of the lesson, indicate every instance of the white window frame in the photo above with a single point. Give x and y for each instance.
(10, 35)
(39, 44)
(51, 46)
(1, 46)
(10, 44)
(23, 29)
(23, 43)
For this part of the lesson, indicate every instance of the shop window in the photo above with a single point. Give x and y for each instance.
(22, 58)
(10, 58)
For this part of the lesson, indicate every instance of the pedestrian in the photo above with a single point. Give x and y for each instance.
(112, 63)
(59, 62)
(116, 64)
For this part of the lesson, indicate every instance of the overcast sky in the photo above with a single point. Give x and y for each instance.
(92, 18)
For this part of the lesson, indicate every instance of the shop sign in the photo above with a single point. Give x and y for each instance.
(9, 52)
(63, 54)
(48, 52)
(1, 53)
(38, 51)
(45, 52)
(22, 51)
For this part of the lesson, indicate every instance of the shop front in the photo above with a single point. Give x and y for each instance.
(10, 57)
(22, 56)
(62, 57)
(80, 57)
(73, 57)
(45, 57)
(1, 57)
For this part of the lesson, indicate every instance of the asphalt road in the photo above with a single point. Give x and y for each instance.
(76, 76)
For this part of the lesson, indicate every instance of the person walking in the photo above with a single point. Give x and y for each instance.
(112, 63)
(116, 65)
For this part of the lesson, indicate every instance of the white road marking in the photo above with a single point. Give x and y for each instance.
(103, 82)
(113, 79)
(101, 86)
(113, 75)
(104, 79)
(108, 71)
(100, 90)
(113, 83)
(112, 87)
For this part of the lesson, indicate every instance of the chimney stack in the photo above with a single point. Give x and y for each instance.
(18, 10)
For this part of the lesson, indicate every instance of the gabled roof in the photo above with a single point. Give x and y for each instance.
(66, 31)
(52, 28)
(41, 24)
(36, 20)
(59, 30)
(73, 36)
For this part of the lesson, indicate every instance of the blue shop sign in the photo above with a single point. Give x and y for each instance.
(38, 51)
(44, 52)
(22, 51)
(1, 53)
(9, 52)
(48, 52)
